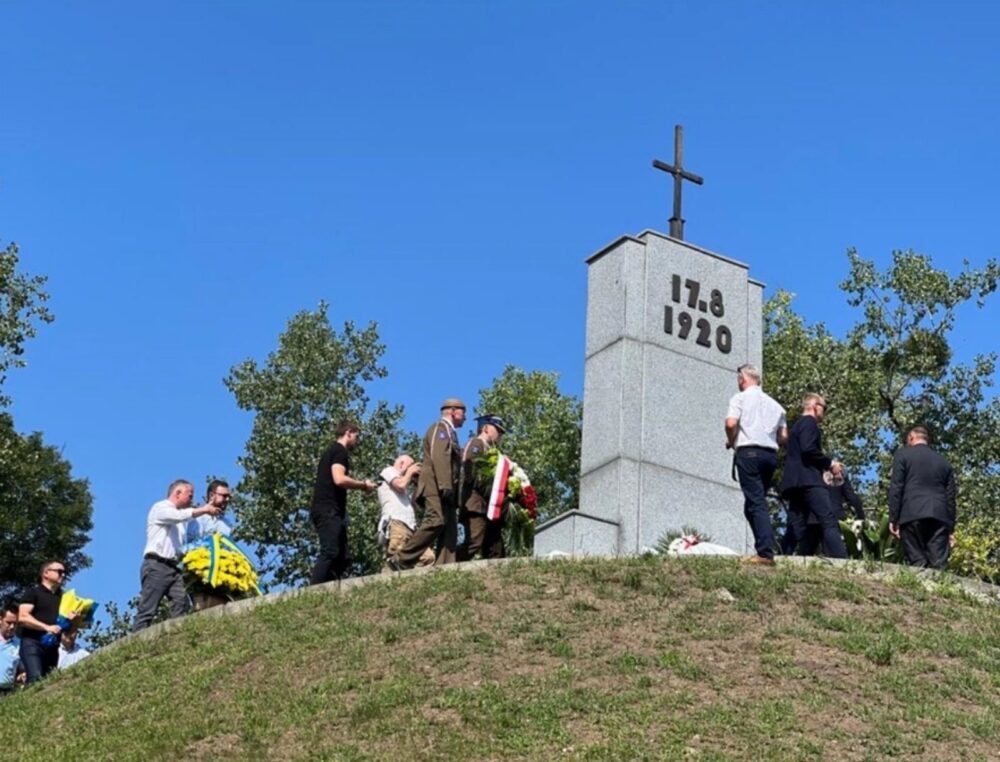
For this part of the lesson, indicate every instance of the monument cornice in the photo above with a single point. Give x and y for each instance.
(639, 239)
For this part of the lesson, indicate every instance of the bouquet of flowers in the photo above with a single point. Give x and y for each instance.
(217, 566)
(70, 604)
(870, 539)
(512, 498)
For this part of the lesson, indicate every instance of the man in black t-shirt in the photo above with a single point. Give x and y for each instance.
(37, 616)
(328, 510)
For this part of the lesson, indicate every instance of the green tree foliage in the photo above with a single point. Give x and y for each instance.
(314, 379)
(895, 368)
(45, 513)
(22, 303)
(544, 436)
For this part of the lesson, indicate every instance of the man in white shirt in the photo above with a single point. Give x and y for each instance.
(205, 525)
(69, 652)
(399, 520)
(165, 534)
(755, 427)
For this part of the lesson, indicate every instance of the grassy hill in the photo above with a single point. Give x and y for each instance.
(629, 659)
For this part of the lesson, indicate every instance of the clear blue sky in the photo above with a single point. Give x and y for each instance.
(190, 175)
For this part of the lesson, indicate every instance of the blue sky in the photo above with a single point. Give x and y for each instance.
(190, 175)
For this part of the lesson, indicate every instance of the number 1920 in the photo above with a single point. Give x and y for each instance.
(723, 336)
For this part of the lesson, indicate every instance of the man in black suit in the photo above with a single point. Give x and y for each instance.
(802, 483)
(922, 497)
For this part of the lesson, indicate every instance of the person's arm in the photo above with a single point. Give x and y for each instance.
(732, 422)
(25, 619)
(896, 483)
(402, 481)
(342, 480)
(810, 449)
(782, 436)
(732, 430)
(441, 458)
(170, 515)
(853, 500)
(951, 490)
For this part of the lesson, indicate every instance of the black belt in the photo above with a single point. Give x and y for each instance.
(168, 561)
(757, 447)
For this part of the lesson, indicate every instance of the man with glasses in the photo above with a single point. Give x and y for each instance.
(37, 616)
(755, 427)
(206, 525)
(160, 574)
(436, 491)
(802, 484)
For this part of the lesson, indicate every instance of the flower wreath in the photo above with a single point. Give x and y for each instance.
(217, 565)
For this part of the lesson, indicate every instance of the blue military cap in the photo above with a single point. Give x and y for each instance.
(494, 420)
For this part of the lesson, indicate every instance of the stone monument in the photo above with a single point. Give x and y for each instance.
(668, 323)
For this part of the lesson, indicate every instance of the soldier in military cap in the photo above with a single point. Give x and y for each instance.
(481, 533)
(437, 490)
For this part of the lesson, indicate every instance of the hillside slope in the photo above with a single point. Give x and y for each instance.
(626, 659)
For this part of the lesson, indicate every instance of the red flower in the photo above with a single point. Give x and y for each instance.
(530, 501)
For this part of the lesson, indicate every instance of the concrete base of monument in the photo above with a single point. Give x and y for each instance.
(578, 534)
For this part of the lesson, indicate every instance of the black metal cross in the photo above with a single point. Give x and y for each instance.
(677, 170)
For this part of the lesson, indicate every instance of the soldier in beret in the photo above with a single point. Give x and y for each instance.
(437, 490)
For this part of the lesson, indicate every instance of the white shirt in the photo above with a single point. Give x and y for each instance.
(760, 418)
(395, 505)
(69, 658)
(165, 530)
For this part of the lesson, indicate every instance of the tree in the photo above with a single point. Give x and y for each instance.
(22, 303)
(45, 513)
(544, 435)
(316, 378)
(895, 368)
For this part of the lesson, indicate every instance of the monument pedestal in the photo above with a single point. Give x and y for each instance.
(668, 323)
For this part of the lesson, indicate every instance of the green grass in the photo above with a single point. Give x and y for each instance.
(637, 659)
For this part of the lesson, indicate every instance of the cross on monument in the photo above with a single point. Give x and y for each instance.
(679, 173)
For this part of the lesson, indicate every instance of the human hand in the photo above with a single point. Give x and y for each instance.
(415, 467)
(894, 530)
(369, 485)
(951, 540)
(837, 468)
(729, 444)
(54, 629)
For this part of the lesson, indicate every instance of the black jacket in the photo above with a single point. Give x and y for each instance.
(804, 461)
(922, 487)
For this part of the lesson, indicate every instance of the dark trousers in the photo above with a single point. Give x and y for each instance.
(815, 500)
(925, 543)
(755, 467)
(334, 556)
(482, 535)
(38, 660)
(159, 579)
